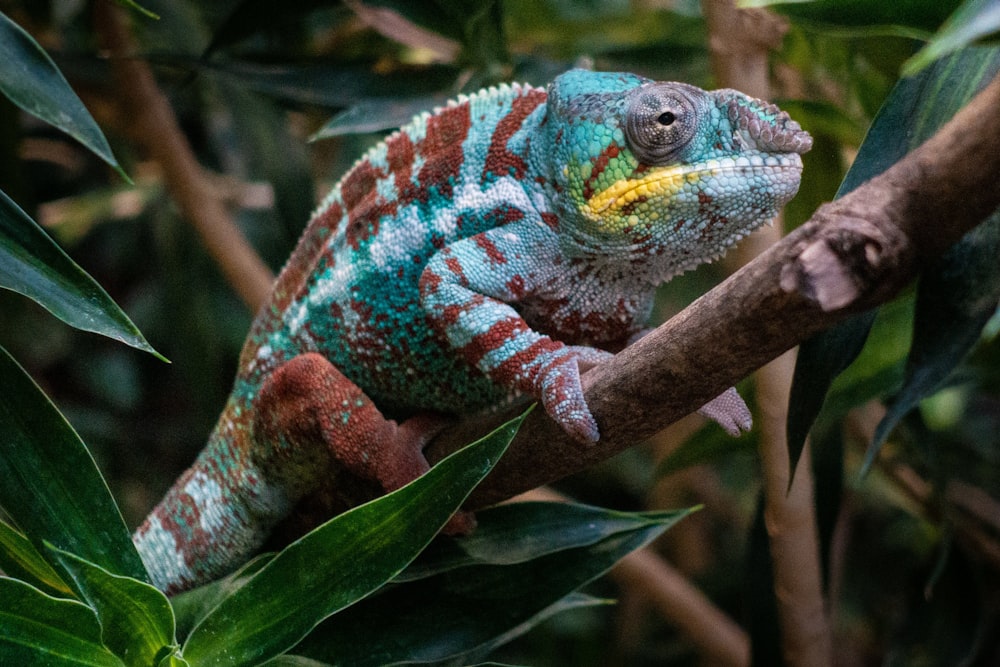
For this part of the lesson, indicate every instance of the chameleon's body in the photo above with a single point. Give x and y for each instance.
(481, 252)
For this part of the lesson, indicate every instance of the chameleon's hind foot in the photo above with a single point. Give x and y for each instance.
(307, 410)
(729, 411)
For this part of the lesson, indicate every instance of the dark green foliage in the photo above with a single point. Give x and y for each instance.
(958, 294)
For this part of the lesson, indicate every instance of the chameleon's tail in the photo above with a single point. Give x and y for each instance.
(216, 515)
(307, 423)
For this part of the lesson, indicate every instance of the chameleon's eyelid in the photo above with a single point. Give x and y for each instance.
(661, 119)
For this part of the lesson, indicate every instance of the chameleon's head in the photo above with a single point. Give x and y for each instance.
(665, 174)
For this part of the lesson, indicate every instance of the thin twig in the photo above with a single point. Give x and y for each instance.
(155, 128)
(741, 42)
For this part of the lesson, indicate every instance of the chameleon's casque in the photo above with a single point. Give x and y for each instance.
(481, 252)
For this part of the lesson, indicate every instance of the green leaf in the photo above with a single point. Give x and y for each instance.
(36, 629)
(908, 18)
(20, 559)
(915, 109)
(33, 82)
(326, 84)
(375, 116)
(956, 297)
(190, 607)
(462, 613)
(974, 20)
(463, 642)
(518, 532)
(294, 661)
(131, 4)
(49, 484)
(33, 265)
(820, 360)
(340, 562)
(136, 618)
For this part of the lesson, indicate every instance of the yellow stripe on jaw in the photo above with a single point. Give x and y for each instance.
(659, 183)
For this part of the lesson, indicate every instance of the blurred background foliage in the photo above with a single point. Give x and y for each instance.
(914, 561)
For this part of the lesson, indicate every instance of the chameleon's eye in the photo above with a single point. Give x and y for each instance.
(659, 122)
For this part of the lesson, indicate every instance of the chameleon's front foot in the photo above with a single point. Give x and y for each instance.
(562, 397)
(561, 392)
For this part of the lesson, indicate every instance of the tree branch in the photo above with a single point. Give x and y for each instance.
(854, 254)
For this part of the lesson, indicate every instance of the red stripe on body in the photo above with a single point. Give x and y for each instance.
(499, 333)
(520, 365)
(493, 253)
(441, 149)
(499, 160)
(455, 266)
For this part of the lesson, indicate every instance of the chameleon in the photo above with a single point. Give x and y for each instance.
(486, 252)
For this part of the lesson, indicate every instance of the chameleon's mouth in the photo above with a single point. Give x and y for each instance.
(663, 183)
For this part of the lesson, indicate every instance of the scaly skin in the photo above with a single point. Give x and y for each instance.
(480, 253)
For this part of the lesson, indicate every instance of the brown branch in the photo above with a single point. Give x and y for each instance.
(741, 42)
(870, 243)
(155, 128)
(718, 639)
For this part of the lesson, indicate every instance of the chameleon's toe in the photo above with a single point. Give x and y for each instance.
(562, 398)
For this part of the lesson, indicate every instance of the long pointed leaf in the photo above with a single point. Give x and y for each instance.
(341, 562)
(955, 299)
(462, 613)
(131, 4)
(50, 485)
(33, 265)
(33, 82)
(515, 533)
(136, 619)
(972, 21)
(36, 629)
(20, 559)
